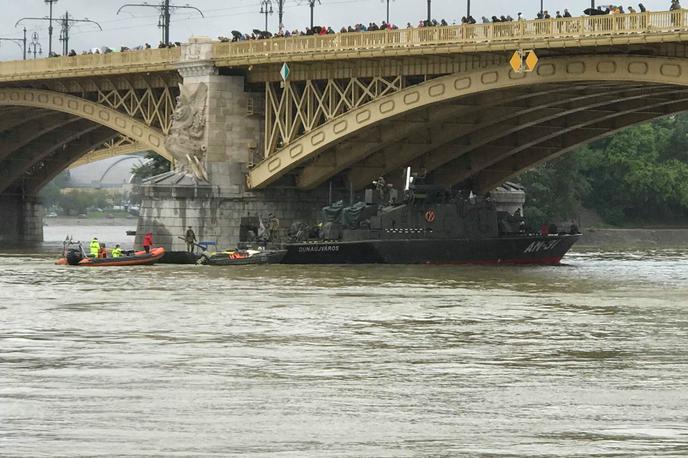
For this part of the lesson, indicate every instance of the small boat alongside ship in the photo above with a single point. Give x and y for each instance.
(74, 255)
(243, 257)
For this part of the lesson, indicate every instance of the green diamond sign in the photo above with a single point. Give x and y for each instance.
(284, 72)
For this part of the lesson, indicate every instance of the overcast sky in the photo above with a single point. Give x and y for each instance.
(136, 26)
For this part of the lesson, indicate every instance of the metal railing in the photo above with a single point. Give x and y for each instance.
(521, 31)
(91, 62)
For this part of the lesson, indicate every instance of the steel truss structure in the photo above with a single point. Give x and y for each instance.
(293, 109)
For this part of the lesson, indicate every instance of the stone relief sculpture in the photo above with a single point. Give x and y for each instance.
(187, 137)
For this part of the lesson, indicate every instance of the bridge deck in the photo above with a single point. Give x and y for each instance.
(114, 63)
(620, 29)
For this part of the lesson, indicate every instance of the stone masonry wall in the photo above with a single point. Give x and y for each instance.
(218, 219)
(22, 220)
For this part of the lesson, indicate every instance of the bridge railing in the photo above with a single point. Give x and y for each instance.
(575, 27)
(91, 62)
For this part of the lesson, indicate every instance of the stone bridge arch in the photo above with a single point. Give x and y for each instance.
(649, 87)
(121, 123)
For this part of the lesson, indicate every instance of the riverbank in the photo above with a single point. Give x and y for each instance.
(633, 238)
(72, 221)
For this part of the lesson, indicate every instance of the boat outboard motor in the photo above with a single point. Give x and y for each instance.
(74, 256)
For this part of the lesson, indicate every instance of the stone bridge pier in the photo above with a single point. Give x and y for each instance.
(22, 219)
(217, 129)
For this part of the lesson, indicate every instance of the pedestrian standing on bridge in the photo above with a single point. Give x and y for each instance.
(190, 238)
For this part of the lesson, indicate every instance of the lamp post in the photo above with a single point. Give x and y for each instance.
(311, 4)
(35, 45)
(50, 26)
(67, 22)
(429, 11)
(21, 42)
(468, 8)
(266, 9)
(388, 1)
(542, 8)
(280, 14)
(165, 10)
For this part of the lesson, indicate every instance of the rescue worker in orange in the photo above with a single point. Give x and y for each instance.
(147, 241)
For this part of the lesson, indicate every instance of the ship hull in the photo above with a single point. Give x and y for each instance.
(525, 250)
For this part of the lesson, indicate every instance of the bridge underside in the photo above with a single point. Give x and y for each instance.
(482, 140)
(37, 144)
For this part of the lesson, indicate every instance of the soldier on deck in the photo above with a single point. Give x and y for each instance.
(190, 238)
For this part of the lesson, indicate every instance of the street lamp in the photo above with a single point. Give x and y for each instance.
(311, 4)
(387, 9)
(542, 8)
(429, 11)
(468, 8)
(21, 42)
(280, 14)
(266, 9)
(67, 22)
(165, 10)
(35, 45)
(50, 26)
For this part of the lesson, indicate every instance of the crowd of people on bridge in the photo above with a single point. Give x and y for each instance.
(384, 25)
(257, 34)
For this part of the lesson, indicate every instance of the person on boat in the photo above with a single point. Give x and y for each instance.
(94, 247)
(102, 251)
(147, 242)
(116, 252)
(190, 238)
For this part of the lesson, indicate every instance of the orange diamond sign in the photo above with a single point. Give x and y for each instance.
(516, 62)
(531, 61)
(524, 61)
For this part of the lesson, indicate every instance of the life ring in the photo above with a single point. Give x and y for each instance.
(430, 216)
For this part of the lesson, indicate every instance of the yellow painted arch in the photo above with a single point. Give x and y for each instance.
(623, 68)
(152, 138)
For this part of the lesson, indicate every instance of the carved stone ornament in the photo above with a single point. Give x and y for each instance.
(187, 138)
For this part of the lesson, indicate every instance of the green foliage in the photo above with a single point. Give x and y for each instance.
(153, 165)
(639, 175)
(554, 191)
(79, 201)
(50, 194)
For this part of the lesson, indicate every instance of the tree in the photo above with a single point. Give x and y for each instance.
(50, 194)
(554, 190)
(638, 175)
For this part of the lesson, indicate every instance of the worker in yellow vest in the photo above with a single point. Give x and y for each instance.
(116, 252)
(94, 247)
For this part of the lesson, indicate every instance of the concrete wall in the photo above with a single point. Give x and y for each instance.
(218, 219)
(22, 220)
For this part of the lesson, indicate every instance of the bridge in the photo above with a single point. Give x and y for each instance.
(354, 106)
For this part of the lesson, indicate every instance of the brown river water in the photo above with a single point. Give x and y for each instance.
(589, 358)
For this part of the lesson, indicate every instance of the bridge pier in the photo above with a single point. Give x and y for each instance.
(22, 220)
(168, 211)
(233, 129)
